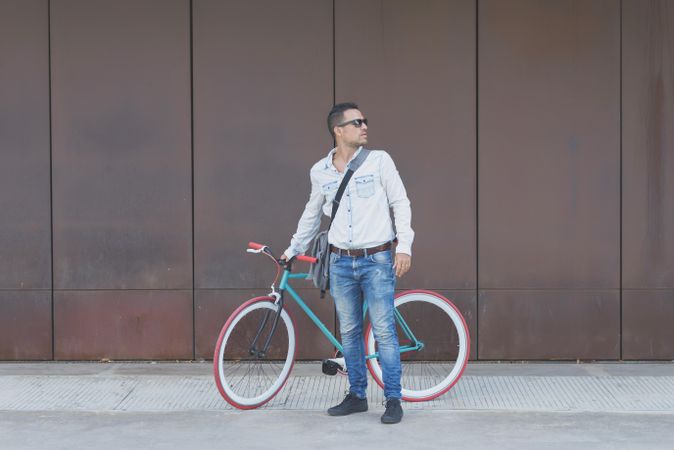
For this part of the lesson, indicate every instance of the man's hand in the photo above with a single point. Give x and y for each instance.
(284, 257)
(402, 264)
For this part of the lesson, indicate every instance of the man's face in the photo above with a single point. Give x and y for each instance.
(350, 133)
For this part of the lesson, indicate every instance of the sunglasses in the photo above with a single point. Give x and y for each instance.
(355, 122)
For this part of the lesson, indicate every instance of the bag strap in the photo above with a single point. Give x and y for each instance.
(353, 166)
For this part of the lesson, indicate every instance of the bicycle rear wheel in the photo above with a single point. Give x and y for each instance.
(245, 377)
(434, 342)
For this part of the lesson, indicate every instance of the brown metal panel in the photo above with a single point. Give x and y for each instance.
(411, 68)
(25, 229)
(142, 324)
(25, 325)
(648, 144)
(262, 90)
(213, 307)
(560, 324)
(647, 324)
(121, 144)
(549, 118)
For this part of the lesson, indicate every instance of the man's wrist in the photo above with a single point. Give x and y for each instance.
(290, 253)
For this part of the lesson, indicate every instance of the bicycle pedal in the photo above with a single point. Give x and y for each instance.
(330, 367)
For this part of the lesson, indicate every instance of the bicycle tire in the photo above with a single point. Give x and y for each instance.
(432, 371)
(248, 382)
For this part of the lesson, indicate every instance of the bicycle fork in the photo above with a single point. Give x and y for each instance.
(263, 323)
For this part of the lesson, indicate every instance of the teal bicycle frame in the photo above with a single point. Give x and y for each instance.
(284, 286)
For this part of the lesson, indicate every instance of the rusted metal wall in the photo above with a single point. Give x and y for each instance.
(648, 179)
(122, 194)
(25, 236)
(180, 130)
(549, 179)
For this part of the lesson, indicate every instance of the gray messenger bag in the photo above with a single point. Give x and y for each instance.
(320, 249)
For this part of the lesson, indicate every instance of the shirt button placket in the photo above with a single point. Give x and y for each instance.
(350, 219)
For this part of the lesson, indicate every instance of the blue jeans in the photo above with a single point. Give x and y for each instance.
(370, 278)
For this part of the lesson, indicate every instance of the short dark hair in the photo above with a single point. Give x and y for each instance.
(336, 115)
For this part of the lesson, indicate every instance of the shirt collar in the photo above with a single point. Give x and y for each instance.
(328, 159)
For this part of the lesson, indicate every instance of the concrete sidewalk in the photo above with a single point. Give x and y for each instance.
(173, 405)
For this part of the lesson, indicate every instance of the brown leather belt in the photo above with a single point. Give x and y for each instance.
(360, 251)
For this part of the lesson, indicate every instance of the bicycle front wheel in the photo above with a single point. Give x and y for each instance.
(245, 376)
(434, 345)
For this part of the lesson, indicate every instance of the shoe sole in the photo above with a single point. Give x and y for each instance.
(337, 413)
(391, 422)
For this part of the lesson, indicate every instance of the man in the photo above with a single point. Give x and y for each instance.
(361, 266)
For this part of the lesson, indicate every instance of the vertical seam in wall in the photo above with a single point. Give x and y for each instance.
(191, 27)
(620, 178)
(477, 185)
(51, 190)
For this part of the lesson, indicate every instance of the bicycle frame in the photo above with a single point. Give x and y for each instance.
(284, 286)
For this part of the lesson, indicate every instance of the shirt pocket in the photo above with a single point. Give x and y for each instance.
(365, 186)
(330, 189)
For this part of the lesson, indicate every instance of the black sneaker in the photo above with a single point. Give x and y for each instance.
(351, 404)
(394, 412)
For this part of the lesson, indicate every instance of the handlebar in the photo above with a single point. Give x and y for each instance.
(255, 245)
(305, 258)
(261, 247)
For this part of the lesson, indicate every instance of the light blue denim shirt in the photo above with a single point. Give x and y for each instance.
(363, 219)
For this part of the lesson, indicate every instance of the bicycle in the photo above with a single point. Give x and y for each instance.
(255, 351)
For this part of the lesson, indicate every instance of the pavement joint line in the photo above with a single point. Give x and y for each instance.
(116, 407)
